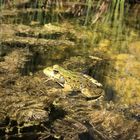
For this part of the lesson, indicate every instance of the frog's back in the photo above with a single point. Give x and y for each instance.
(86, 84)
(90, 87)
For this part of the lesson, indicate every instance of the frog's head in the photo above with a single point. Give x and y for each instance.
(51, 71)
(55, 72)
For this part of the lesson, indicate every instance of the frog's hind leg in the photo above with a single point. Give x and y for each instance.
(95, 100)
(88, 94)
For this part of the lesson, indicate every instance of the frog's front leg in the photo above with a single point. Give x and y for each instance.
(49, 79)
(62, 85)
(61, 81)
(66, 88)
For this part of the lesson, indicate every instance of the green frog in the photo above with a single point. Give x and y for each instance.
(75, 81)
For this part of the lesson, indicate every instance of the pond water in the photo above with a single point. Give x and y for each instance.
(100, 39)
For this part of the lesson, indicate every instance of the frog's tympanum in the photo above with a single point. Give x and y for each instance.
(74, 81)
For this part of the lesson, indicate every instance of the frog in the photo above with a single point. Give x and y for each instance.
(75, 81)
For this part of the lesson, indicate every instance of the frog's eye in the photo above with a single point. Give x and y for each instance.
(55, 71)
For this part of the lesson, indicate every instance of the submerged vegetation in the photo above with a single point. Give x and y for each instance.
(86, 40)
